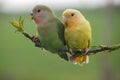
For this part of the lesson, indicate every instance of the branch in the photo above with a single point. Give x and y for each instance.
(102, 48)
(27, 36)
(34, 39)
(19, 26)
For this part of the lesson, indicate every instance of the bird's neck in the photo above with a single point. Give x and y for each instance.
(71, 24)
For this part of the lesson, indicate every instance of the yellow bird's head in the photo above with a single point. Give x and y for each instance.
(72, 17)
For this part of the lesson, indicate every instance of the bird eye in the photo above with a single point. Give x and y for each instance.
(38, 10)
(72, 14)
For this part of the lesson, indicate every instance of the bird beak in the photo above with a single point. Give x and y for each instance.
(31, 15)
(64, 18)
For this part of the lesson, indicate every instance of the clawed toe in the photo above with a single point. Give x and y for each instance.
(36, 41)
(86, 50)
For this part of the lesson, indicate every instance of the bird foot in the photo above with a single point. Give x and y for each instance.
(70, 50)
(36, 41)
(86, 50)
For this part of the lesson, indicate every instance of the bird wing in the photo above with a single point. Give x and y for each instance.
(61, 30)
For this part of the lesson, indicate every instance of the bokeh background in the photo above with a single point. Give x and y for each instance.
(21, 60)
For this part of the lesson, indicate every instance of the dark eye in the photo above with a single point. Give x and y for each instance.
(38, 10)
(72, 14)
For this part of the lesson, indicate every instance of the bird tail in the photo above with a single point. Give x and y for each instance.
(80, 59)
(63, 56)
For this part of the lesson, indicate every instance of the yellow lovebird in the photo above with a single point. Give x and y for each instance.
(77, 35)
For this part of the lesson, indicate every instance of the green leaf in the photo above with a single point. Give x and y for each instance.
(18, 24)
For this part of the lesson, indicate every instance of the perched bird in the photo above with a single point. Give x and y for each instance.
(77, 34)
(50, 30)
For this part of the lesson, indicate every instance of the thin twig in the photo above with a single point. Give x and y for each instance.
(37, 43)
(27, 36)
(34, 39)
(104, 48)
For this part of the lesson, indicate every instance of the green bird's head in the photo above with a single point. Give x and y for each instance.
(41, 14)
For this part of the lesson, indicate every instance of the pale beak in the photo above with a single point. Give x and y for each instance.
(31, 15)
(64, 18)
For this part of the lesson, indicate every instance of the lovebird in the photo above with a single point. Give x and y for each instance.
(50, 30)
(77, 34)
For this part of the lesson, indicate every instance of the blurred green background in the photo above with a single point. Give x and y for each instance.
(21, 60)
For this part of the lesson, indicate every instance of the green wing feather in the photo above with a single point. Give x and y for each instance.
(61, 30)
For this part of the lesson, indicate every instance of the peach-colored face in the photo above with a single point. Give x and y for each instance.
(70, 17)
(38, 15)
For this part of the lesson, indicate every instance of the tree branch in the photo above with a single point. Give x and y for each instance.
(34, 39)
(104, 48)
(27, 36)
(97, 49)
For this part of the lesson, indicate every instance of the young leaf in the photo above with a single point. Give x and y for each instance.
(18, 24)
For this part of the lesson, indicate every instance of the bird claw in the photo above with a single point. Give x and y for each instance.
(36, 41)
(86, 50)
(70, 50)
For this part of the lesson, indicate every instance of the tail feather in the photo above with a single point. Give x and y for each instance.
(80, 59)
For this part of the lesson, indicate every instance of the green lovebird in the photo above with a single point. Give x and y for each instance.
(50, 30)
